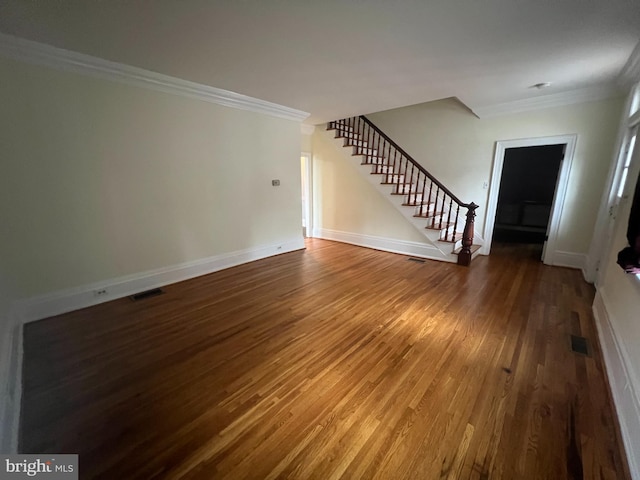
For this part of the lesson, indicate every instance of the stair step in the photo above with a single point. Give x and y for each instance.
(340, 134)
(408, 190)
(414, 199)
(450, 239)
(394, 178)
(364, 151)
(383, 170)
(431, 215)
(439, 226)
(426, 211)
(408, 193)
(474, 249)
(340, 126)
(351, 142)
(378, 160)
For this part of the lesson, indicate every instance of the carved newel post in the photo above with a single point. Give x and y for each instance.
(464, 257)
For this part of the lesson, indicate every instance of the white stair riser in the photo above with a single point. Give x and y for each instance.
(394, 178)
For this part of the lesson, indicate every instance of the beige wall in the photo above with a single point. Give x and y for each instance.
(306, 143)
(102, 180)
(458, 148)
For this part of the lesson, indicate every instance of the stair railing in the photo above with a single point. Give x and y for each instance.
(431, 198)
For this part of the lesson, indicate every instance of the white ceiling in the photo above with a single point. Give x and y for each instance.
(336, 58)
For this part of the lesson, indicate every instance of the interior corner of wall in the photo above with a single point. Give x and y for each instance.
(11, 378)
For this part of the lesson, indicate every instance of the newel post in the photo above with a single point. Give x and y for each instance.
(464, 257)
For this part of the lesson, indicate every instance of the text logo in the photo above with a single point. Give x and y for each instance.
(50, 467)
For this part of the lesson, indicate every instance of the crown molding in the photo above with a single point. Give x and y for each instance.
(307, 129)
(41, 54)
(630, 73)
(582, 95)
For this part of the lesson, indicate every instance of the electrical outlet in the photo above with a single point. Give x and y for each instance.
(275, 183)
(101, 292)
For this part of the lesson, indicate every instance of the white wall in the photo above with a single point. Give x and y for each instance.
(458, 148)
(103, 182)
(617, 311)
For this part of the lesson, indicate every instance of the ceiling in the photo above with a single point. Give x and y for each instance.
(336, 58)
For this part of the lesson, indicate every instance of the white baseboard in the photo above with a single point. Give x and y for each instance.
(11, 383)
(36, 308)
(55, 303)
(392, 245)
(624, 387)
(570, 259)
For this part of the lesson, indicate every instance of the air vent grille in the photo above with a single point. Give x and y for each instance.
(154, 292)
(579, 345)
(418, 260)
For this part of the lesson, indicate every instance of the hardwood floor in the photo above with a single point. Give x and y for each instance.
(334, 362)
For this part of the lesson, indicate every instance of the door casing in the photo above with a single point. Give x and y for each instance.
(558, 198)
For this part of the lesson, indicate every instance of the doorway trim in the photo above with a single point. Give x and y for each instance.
(558, 197)
(307, 206)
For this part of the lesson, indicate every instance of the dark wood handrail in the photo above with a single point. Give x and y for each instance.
(415, 163)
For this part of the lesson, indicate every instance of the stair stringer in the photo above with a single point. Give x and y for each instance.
(438, 250)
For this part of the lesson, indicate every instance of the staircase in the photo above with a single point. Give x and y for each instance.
(448, 222)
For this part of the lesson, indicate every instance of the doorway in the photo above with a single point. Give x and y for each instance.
(529, 176)
(527, 193)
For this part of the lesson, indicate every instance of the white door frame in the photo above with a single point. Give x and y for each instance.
(307, 207)
(558, 197)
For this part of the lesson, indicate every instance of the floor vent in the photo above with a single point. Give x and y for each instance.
(154, 292)
(414, 259)
(579, 345)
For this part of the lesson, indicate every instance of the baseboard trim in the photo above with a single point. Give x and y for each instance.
(624, 389)
(391, 245)
(570, 259)
(37, 308)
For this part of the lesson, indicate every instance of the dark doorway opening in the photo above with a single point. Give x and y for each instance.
(527, 188)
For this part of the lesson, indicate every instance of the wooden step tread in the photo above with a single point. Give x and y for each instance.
(428, 214)
(451, 239)
(431, 215)
(439, 226)
(405, 193)
(340, 126)
(474, 249)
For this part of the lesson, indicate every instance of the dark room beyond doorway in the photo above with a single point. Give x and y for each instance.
(527, 188)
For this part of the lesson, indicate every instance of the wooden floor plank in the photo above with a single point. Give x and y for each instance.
(336, 362)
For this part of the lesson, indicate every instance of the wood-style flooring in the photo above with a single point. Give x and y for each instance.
(333, 362)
